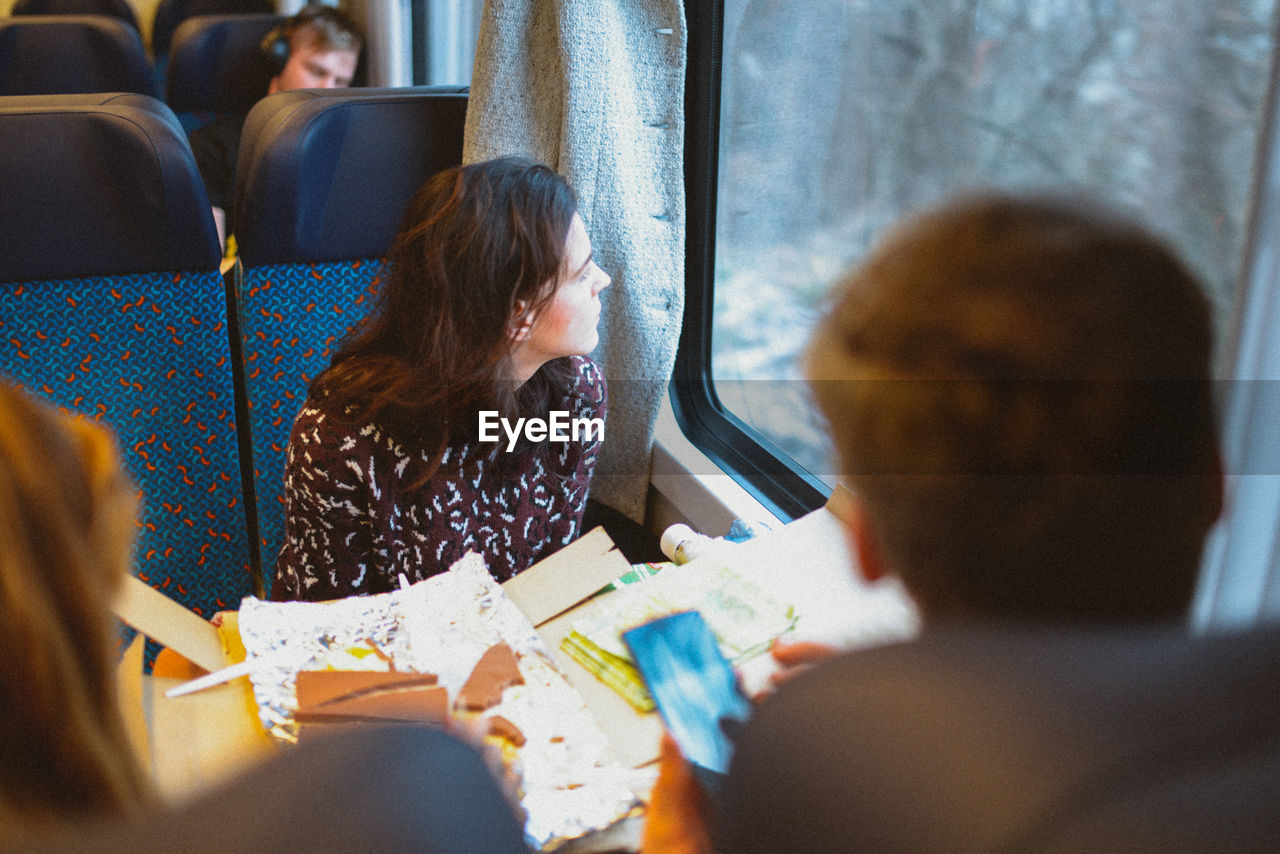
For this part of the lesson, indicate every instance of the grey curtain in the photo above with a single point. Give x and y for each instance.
(595, 89)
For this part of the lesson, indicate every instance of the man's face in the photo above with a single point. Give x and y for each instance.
(310, 66)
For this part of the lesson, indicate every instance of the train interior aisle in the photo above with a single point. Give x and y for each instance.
(726, 185)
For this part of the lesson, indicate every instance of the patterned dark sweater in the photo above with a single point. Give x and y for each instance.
(352, 523)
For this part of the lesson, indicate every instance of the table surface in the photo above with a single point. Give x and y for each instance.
(201, 739)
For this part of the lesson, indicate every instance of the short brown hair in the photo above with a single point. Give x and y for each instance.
(1019, 390)
(328, 27)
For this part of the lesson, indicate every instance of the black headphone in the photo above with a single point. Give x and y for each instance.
(274, 46)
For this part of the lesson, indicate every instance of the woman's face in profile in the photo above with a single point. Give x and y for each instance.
(566, 325)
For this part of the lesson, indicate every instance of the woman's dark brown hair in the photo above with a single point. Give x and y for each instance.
(480, 247)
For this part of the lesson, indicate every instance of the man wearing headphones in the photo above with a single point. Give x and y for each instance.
(318, 48)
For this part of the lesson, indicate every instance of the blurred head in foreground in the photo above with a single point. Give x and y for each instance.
(1019, 393)
(66, 526)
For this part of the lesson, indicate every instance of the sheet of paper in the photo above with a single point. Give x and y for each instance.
(159, 617)
(633, 736)
(557, 583)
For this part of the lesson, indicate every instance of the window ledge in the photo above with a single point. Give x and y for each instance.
(687, 487)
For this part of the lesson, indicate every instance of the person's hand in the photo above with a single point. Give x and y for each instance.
(679, 816)
(796, 658)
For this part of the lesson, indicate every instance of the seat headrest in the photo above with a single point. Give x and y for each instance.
(215, 64)
(99, 185)
(325, 174)
(51, 54)
(89, 99)
(96, 99)
(171, 13)
(114, 8)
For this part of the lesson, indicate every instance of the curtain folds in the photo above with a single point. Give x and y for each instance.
(595, 89)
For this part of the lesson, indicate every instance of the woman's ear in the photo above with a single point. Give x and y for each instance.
(521, 322)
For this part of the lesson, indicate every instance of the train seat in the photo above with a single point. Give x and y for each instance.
(112, 305)
(322, 180)
(215, 67)
(65, 54)
(169, 14)
(114, 8)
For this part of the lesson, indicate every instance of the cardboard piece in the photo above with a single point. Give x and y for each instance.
(159, 617)
(308, 733)
(552, 594)
(494, 672)
(196, 742)
(318, 687)
(840, 502)
(202, 740)
(418, 704)
(559, 582)
(505, 729)
(634, 736)
(346, 696)
(129, 694)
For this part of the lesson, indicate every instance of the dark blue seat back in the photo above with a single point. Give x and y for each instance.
(114, 8)
(171, 13)
(215, 66)
(324, 175)
(56, 54)
(111, 304)
(323, 179)
(66, 165)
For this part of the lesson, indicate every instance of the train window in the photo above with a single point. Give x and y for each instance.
(810, 133)
(445, 48)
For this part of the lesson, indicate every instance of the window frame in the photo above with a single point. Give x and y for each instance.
(1240, 569)
(739, 450)
(1240, 582)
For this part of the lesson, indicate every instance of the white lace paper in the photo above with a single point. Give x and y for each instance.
(443, 625)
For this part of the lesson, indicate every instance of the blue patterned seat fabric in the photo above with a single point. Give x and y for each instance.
(294, 315)
(111, 304)
(148, 354)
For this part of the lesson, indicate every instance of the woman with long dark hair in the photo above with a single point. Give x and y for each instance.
(406, 454)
